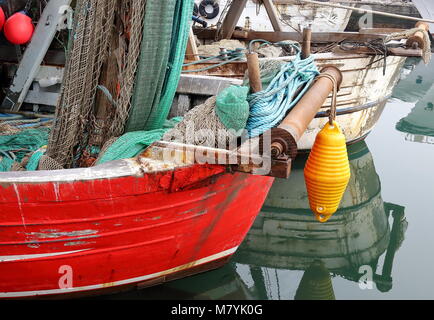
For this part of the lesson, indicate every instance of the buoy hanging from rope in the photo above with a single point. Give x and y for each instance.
(19, 28)
(2, 18)
(327, 170)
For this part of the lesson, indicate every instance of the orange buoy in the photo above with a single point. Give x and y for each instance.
(327, 172)
(2, 18)
(19, 28)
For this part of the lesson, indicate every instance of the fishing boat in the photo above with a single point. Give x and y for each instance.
(120, 225)
(367, 84)
(124, 224)
(285, 237)
(141, 221)
(292, 15)
(398, 7)
(369, 76)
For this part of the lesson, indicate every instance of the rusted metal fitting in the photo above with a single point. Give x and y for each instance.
(284, 138)
(306, 44)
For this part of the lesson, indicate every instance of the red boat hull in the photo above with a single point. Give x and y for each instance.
(90, 235)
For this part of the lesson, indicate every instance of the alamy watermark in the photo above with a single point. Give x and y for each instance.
(366, 280)
(366, 21)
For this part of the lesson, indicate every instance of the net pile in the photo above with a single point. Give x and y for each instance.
(87, 52)
(201, 126)
(166, 28)
(18, 146)
(132, 12)
(235, 113)
(123, 68)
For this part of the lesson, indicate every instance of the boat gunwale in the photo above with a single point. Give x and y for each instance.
(111, 170)
(127, 167)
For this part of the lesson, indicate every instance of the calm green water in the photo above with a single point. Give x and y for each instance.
(385, 224)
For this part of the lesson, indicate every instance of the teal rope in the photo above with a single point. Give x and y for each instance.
(268, 107)
(233, 55)
(213, 66)
(33, 163)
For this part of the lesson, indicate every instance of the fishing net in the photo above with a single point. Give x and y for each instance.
(166, 27)
(222, 119)
(87, 51)
(201, 126)
(132, 12)
(232, 107)
(133, 143)
(124, 62)
(18, 146)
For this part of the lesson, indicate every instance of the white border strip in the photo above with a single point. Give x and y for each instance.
(36, 256)
(119, 283)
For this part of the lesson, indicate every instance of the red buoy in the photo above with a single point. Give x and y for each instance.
(2, 18)
(19, 28)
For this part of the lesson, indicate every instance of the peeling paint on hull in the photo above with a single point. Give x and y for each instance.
(147, 227)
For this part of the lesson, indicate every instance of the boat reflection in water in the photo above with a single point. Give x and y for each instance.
(288, 249)
(419, 123)
(286, 236)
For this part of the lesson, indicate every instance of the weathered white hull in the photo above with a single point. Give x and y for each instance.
(361, 100)
(293, 16)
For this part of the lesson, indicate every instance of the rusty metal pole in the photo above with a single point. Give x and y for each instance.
(254, 72)
(306, 45)
(417, 40)
(286, 135)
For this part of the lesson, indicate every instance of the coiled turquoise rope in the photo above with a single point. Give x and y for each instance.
(268, 107)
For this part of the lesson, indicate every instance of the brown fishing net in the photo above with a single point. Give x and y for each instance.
(88, 49)
(202, 125)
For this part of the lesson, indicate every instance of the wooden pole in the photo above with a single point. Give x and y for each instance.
(307, 40)
(254, 72)
(191, 51)
(272, 14)
(231, 19)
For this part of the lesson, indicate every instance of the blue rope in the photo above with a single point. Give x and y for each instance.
(268, 107)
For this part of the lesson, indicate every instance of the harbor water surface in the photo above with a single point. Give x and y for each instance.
(379, 245)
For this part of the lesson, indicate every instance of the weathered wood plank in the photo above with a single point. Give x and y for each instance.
(231, 19)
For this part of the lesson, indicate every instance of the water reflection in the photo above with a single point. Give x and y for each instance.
(286, 236)
(415, 80)
(419, 87)
(288, 254)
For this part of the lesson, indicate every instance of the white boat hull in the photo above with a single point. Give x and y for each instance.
(293, 16)
(361, 99)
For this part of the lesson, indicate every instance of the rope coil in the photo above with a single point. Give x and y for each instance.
(268, 107)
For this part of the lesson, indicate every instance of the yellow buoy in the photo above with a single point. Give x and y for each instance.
(316, 284)
(327, 171)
